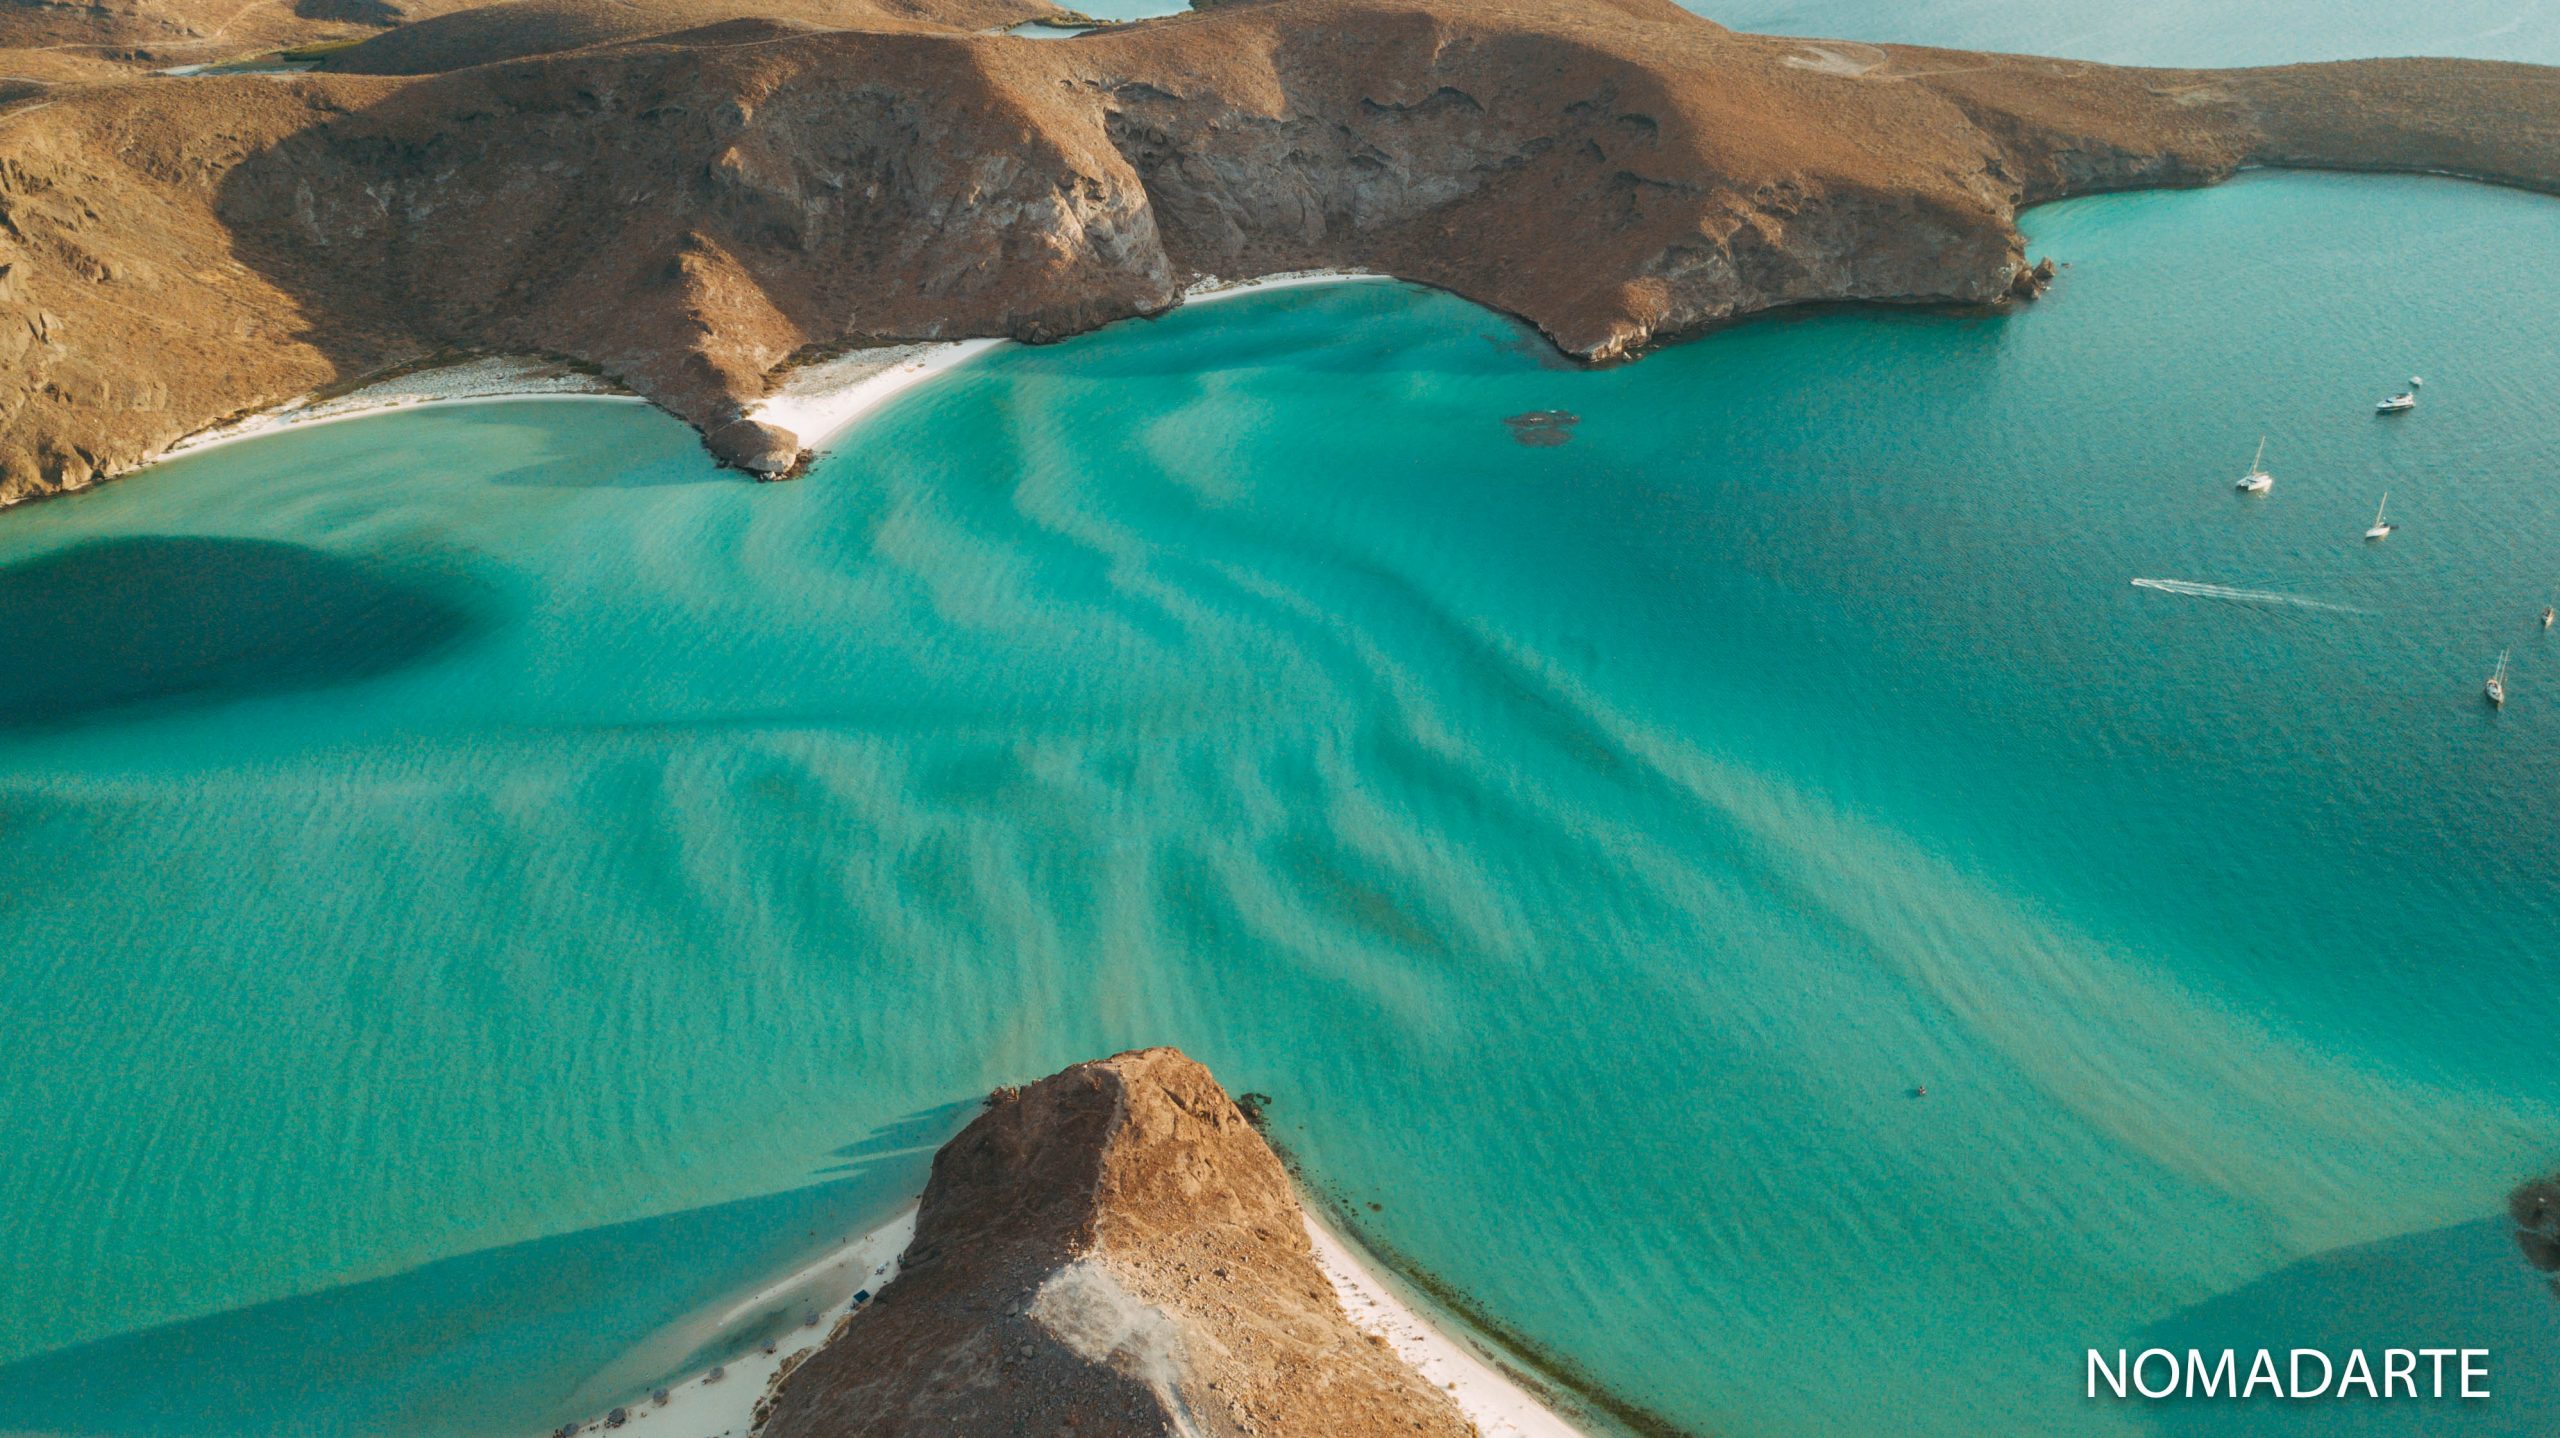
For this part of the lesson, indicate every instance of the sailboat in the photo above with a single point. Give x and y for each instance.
(2257, 480)
(2497, 685)
(2381, 527)
(2546, 616)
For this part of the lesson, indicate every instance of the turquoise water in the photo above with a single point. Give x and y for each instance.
(2171, 32)
(527, 886)
(2163, 32)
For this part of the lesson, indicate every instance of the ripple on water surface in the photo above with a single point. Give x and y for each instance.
(615, 879)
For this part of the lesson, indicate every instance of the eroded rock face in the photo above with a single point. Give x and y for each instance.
(1113, 1248)
(685, 209)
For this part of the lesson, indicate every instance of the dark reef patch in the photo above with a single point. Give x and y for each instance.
(1543, 428)
(2535, 1207)
(126, 626)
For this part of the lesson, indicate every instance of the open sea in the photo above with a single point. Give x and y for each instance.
(485, 888)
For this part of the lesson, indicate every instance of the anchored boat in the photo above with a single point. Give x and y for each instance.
(2257, 480)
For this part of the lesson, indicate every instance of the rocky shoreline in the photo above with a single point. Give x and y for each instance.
(686, 210)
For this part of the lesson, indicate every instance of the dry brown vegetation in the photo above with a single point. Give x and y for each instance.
(687, 193)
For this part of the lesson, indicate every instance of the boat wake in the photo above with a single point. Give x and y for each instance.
(2243, 596)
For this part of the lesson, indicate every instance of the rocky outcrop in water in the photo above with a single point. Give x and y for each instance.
(2535, 1207)
(686, 194)
(1112, 1251)
(767, 451)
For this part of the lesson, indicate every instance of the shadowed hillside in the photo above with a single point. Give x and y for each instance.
(688, 205)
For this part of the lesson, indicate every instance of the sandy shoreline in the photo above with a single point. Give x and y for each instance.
(476, 381)
(818, 402)
(704, 1406)
(721, 1402)
(1500, 1407)
(1212, 289)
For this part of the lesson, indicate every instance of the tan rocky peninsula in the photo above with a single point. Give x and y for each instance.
(1112, 1251)
(688, 194)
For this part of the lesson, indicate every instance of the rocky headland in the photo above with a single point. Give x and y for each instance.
(1110, 1252)
(689, 196)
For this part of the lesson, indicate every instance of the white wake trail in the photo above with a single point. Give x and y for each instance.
(2243, 596)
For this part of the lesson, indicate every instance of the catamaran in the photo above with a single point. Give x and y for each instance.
(2497, 685)
(2381, 527)
(2257, 480)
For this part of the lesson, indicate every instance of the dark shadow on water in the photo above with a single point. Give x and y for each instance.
(2458, 1287)
(499, 1341)
(121, 626)
(924, 1129)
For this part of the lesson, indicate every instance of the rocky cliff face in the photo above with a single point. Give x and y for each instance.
(1111, 1251)
(687, 208)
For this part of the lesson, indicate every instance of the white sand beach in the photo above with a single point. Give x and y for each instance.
(477, 381)
(819, 402)
(1210, 289)
(721, 1402)
(1500, 1407)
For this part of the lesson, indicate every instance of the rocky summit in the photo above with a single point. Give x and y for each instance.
(1112, 1251)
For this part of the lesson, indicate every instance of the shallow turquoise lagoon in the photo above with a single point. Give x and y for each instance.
(506, 887)
(2171, 32)
(2159, 32)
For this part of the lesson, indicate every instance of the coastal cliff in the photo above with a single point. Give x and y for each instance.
(688, 194)
(1110, 1251)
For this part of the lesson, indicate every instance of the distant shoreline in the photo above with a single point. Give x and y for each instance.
(818, 402)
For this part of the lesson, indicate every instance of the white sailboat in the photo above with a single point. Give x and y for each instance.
(2257, 480)
(2497, 685)
(2381, 527)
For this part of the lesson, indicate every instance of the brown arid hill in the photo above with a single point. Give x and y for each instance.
(690, 210)
(520, 28)
(150, 33)
(1114, 1252)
